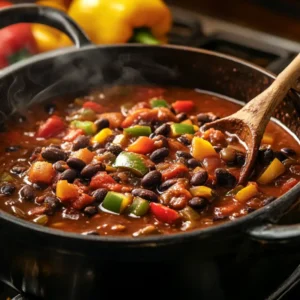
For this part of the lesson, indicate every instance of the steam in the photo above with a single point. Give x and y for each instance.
(75, 72)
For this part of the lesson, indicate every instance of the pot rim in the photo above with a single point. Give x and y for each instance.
(261, 214)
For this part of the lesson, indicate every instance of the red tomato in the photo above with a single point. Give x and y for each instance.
(288, 185)
(96, 107)
(83, 201)
(53, 126)
(183, 106)
(103, 180)
(163, 213)
(13, 39)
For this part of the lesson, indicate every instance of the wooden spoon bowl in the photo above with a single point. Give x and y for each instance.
(249, 123)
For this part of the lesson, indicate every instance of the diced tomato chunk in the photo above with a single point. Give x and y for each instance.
(83, 201)
(174, 170)
(183, 106)
(103, 180)
(96, 107)
(288, 185)
(73, 134)
(164, 213)
(53, 126)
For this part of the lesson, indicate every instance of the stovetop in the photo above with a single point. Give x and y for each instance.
(267, 51)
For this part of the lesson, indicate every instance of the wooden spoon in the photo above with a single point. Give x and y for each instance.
(250, 122)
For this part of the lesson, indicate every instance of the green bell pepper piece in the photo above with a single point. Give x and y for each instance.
(115, 202)
(139, 207)
(87, 126)
(6, 177)
(179, 129)
(158, 103)
(138, 130)
(131, 161)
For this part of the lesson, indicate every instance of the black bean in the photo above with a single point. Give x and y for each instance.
(152, 135)
(151, 179)
(240, 159)
(199, 178)
(198, 202)
(102, 123)
(80, 142)
(116, 178)
(60, 166)
(145, 194)
(99, 194)
(12, 148)
(90, 210)
(181, 117)
(40, 186)
(76, 163)
(288, 151)
(280, 155)
(7, 189)
(218, 148)
(18, 169)
(53, 154)
(114, 149)
(265, 155)
(27, 193)
(160, 141)
(193, 163)
(184, 140)
(159, 155)
(93, 232)
(163, 130)
(90, 170)
(225, 178)
(35, 153)
(50, 108)
(184, 154)
(167, 184)
(52, 205)
(68, 175)
(203, 118)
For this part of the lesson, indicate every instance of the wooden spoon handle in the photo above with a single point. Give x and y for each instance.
(258, 112)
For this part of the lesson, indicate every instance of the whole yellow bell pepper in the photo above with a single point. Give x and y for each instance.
(116, 21)
(46, 37)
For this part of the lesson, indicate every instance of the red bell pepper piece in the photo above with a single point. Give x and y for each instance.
(16, 41)
(163, 213)
(53, 126)
(96, 107)
(289, 184)
(103, 180)
(183, 106)
(73, 134)
(142, 145)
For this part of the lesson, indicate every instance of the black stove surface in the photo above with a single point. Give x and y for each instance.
(269, 275)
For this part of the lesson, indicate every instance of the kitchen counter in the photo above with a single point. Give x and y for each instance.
(281, 22)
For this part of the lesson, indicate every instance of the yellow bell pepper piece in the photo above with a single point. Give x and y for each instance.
(46, 37)
(267, 139)
(113, 21)
(275, 169)
(65, 190)
(247, 192)
(202, 149)
(201, 191)
(84, 154)
(188, 121)
(102, 135)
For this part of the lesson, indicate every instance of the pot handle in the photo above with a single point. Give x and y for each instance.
(273, 233)
(31, 13)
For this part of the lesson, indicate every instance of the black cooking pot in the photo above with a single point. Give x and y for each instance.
(60, 265)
